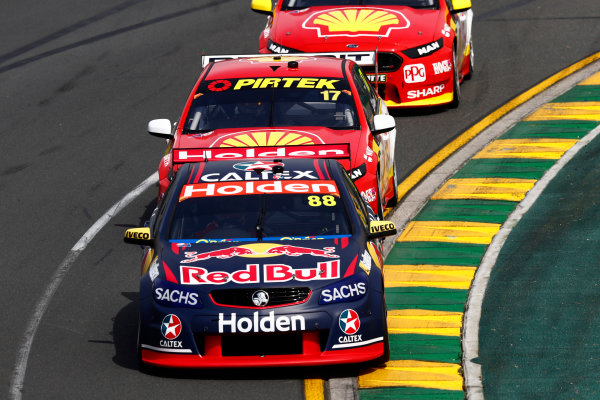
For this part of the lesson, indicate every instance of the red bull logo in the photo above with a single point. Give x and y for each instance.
(259, 250)
(296, 251)
(356, 21)
(252, 274)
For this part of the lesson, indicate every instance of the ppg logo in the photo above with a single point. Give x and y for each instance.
(414, 73)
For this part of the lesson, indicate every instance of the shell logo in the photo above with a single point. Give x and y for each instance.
(356, 22)
(267, 138)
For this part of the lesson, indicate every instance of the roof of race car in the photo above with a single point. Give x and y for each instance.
(276, 66)
(225, 201)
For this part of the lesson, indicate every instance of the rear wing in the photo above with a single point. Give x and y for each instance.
(362, 58)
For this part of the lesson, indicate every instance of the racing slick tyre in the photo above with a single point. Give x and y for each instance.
(380, 209)
(455, 82)
(139, 345)
(386, 340)
(142, 366)
(469, 74)
(394, 200)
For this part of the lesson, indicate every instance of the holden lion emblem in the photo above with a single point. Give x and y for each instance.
(260, 298)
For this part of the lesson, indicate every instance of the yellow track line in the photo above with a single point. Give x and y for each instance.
(411, 373)
(313, 389)
(426, 275)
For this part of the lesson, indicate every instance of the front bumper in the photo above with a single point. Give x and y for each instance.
(311, 355)
(300, 335)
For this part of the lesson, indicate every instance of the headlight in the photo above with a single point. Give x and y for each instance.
(172, 295)
(280, 49)
(350, 289)
(424, 50)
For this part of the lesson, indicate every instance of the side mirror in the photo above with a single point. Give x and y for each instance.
(262, 6)
(460, 6)
(379, 229)
(161, 128)
(139, 236)
(383, 123)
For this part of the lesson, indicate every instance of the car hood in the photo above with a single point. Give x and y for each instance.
(270, 143)
(312, 263)
(318, 29)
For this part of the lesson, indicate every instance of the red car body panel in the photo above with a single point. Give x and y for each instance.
(424, 80)
(352, 148)
(311, 356)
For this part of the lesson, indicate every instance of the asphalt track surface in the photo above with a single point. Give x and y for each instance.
(79, 81)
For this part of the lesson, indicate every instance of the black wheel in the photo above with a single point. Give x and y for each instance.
(379, 199)
(394, 200)
(139, 344)
(455, 82)
(469, 75)
(386, 340)
(142, 366)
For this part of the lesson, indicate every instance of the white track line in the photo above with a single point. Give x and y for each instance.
(18, 375)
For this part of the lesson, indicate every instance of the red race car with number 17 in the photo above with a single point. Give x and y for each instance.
(280, 107)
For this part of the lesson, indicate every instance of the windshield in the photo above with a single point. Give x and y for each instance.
(271, 102)
(300, 4)
(255, 217)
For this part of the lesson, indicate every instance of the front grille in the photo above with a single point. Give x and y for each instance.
(261, 345)
(243, 297)
(386, 62)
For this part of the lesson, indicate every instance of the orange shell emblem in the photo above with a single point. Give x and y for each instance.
(356, 22)
(267, 138)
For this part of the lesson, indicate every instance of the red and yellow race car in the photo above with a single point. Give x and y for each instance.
(279, 107)
(424, 47)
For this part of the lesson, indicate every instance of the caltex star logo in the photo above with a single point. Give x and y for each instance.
(257, 165)
(349, 322)
(171, 326)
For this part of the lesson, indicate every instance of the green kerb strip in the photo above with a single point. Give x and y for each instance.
(425, 298)
(407, 393)
(565, 129)
(504, 168)
(437, 253)
(488, 211)
(580, 94)
(444, 349)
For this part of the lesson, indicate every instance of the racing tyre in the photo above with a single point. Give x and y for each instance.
(394, 200)
(139, 345)
(142, 366)
(455, 82)
(386, 340)
(379, 199)
(469, 75)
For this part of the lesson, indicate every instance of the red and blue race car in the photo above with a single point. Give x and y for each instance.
(274, 106)
(262, 263)
(424, 47)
